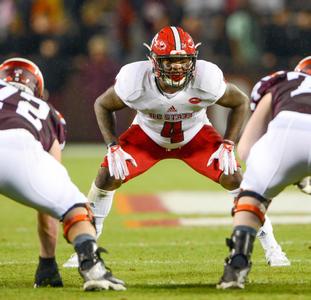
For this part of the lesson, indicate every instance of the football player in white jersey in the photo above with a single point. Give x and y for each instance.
(31, 132)
(278, 137)
(170, 93)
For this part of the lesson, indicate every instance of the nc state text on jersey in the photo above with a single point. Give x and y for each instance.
(171, 117)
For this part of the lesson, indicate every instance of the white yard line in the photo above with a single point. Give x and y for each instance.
(211, 203)
(201, 222)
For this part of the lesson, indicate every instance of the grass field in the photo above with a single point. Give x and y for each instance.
(156, 262)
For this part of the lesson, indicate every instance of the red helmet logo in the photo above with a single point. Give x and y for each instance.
(158, 44)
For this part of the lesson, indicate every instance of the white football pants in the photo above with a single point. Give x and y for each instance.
(282, 156)
(33, 177)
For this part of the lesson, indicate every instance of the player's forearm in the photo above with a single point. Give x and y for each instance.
(106, 123)
(235, 121)
(105, 106)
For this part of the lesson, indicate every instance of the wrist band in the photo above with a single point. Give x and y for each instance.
(229, 142)
(111, 144)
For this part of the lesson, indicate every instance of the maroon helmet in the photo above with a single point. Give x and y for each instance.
(24, 74)
(304, 65)
(172, 44)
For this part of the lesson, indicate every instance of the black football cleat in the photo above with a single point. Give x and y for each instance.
(47, 274)
(92, 269)
(233, 276)
(100, 277)
(238, 264)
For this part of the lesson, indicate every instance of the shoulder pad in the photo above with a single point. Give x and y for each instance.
(209, 79)
(129, 81)
(263, 86)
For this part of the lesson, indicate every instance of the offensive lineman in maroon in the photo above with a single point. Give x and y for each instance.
(31, 132)
(277, 145)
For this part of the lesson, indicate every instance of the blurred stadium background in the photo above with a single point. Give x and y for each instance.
(81, 44)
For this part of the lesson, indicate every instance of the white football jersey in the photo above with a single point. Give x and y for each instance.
(170, 120)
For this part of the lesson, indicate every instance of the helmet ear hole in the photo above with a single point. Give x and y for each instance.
(23, 72)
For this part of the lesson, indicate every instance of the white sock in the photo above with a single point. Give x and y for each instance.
(266, 236)
(101, 202)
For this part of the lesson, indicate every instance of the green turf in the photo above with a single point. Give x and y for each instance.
(157, 263)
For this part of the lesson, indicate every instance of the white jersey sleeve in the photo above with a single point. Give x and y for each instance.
(129, 84)
(209, 81)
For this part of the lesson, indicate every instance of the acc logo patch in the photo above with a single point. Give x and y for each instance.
(194, 100)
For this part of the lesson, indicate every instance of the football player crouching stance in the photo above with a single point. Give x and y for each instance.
(279, 137)
(170, 93)
(31, 134)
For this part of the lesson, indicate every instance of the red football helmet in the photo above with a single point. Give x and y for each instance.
(24, 74)
(173, 54)
(304, 65)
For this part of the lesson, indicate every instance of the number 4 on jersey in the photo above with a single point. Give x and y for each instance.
(173, 130)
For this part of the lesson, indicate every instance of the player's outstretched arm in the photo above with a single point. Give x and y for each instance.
(238, 102)
(105, 106)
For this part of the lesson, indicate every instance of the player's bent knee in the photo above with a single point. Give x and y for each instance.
(251, 202)
(74, 216)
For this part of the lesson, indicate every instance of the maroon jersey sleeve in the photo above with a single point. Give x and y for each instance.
(264, 85)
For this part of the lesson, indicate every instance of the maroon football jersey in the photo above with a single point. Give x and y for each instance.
(19, 109)
(290, 91)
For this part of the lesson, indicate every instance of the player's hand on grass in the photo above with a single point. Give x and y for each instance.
(226, 158)
(117, 162)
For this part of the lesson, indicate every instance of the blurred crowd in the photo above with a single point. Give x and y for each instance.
(81, 44)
